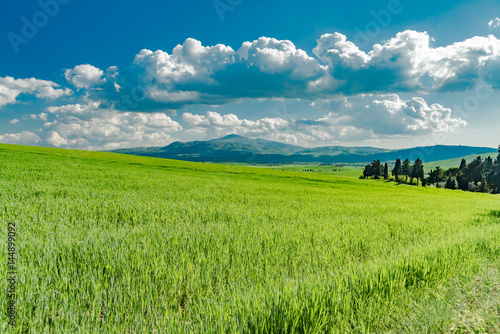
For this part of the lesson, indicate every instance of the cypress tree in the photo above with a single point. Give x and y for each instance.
(377, 169)
(397, 170)
(488, 165)
(406, 168)
(386, 172)
(462, 176)
(474, 170)
(418, 170)
(483, 186)
(463, 164)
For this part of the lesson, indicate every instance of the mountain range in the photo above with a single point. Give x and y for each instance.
(238, 149)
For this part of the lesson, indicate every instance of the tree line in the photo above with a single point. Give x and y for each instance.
(479, 175)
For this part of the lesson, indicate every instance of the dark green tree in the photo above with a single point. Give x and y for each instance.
(463, 164)
(483, 186)
(461, 177)
(474, 171)
(374, 169)
(451, 183)
(462, 182)
(396, 171)
(406, 169)
(453, 172)
(488, 166)
(437, 175)
(377, 169)
(386, 172)
(493, 178)
(418, 170)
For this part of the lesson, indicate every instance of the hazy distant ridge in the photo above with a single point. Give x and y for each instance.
(239, 149)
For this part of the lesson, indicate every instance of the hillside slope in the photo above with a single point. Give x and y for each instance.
(238, 149)
(449, 163)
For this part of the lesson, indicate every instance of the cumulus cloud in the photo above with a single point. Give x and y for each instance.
(43, 116)
(346, 119)
(11, 88)
(274, 56)
(388, 114)
(357, 91)
(75, 109)
(369, 114)
(197, 74)
(21, 138)
(86, 126)
(404, 64)
(85, 76)
(269, 68)
(338, 52)
(215, 125)
(48, 92)
(213, 121)
(293, 131)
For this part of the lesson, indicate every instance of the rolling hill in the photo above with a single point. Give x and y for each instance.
(239, 149)
(449, 163)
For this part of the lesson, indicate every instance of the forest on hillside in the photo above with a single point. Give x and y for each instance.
(480, 175)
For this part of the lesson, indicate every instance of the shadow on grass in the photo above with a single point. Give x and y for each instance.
(494, 213)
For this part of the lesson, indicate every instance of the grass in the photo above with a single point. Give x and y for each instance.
(111, 243)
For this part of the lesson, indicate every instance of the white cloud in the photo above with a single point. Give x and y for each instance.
(402, 64)
(357, 91)
(274, 56)
(388, 114)
(14, 121)
(48, 92)
(337, 51)
(85, 76)
(42, 116)
(298, 131)
(75, 109)
(268, 68)
(189, 63)
(194, 73)
(495, 23)
(214, 124)
(22, 138)
(89, 127)
(346, 119)
(56, 140)
(11, 88)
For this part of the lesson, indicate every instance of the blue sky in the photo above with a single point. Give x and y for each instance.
(102, 75)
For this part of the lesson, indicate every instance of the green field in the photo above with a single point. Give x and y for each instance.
(110, 243)
(345, 170)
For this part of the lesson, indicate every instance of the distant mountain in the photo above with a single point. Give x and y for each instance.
(239, 149)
